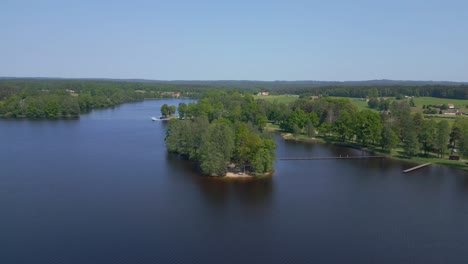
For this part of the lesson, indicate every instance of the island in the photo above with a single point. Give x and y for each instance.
(223, 133)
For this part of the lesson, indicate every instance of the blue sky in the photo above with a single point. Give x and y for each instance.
(235, 40)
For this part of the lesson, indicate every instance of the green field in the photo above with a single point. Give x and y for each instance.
(460, 104)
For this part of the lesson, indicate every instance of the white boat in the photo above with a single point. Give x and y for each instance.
(154, 118)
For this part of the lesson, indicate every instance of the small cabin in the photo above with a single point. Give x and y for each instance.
(451, 106)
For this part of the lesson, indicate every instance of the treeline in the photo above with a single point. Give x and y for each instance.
(223, 131)
(52, 98)
(388, 129)
(452, 92)
(60, 103)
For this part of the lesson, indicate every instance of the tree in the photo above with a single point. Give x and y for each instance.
(165, 110)
(411, 144)
(51, 109)
(461, 135)
(182, 110)
(389, 139)
(344, 125)
(172, 110)
(373, 103)
(264, 157)
(261, 121)
(442, 137)
(216, 149)
(296, 130)
(325, 129)
(455, 137)
(418, 120)
(427, 135)
(368, 127)
(310, 129)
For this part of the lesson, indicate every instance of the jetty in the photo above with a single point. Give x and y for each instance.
(329, 158)
(417, 167)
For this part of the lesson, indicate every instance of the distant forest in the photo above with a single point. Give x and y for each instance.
(51, 98)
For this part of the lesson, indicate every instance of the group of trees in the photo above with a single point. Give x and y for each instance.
(50, 105)
(51, 98)
(60, 103)
(168, 110)
(220, 130)
(386, 129)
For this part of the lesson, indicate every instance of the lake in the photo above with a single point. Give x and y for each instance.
(102, 189)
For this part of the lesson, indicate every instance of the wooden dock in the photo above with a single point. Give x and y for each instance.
(329, 158)
(417, 167)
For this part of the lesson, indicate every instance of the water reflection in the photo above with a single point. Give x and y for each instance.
(221, 192)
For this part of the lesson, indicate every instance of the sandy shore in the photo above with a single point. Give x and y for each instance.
(235, 175)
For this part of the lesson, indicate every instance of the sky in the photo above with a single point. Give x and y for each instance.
(235, 40)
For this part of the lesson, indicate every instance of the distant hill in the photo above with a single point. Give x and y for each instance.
(261, 84)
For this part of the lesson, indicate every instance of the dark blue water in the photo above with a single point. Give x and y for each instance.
(102, 189)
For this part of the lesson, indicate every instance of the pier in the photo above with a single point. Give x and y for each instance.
(417, 167)
(334, 158)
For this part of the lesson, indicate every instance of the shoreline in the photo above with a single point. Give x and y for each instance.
(460, 165)
(233, 175)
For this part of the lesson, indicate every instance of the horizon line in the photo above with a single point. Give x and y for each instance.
(229, 80)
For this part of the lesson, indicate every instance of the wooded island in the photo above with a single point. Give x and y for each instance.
(223, 132)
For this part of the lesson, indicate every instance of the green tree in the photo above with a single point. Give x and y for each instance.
(310, 129)
(442, 138)
(411, 144)
(296, 130)
(264, 157)
(165, 110)
(368, 128)
(216, 149)
(389, 139)
(172, 110)
(344, 125)
(182, 110)
(427, 135)
(51, 109)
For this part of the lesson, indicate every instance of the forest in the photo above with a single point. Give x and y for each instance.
(223, 132)
(52, 98)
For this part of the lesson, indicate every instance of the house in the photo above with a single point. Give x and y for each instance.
(170, 94)
(450, 112)
(313, 97)
(263, 93)
(451, 106)
(70, 91)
